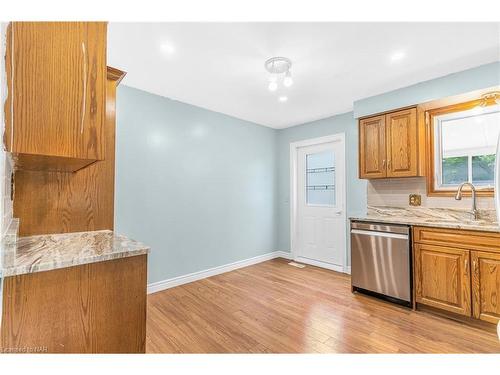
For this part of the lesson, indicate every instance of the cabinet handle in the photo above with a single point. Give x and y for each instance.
(383, 164)
(389, 164)
(84, 98)
(466, 266)
(474, 266)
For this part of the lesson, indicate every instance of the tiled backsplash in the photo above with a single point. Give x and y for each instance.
(395, 193)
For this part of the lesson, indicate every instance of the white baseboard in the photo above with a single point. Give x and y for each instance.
(317, 263)
(348, 270)
(184, 279)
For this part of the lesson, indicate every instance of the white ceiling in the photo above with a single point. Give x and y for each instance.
(220, 66)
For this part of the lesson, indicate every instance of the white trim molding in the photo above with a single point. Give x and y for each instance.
(317, 263)
(190, 277)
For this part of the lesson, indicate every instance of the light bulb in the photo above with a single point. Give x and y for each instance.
(397, 56)
(283, 99)
(167, 48)
(273, 85)
(288, 81)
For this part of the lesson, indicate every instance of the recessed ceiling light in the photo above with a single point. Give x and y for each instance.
(283, 99)
(397, 56)
(167, 48)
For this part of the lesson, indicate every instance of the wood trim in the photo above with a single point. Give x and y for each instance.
(463, 239)
(421, 142)
(115, 74)
(387, 112)
(429, 116)
(470, 321)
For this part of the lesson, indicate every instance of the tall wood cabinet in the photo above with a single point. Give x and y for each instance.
(55, 109)
(389, 145)
(59, 202)
(458, 271)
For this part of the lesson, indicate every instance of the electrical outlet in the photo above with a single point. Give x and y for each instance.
(415, 199)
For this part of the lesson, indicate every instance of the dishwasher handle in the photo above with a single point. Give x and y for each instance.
(379, 234)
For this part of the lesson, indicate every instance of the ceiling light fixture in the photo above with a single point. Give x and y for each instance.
(283, 99)
(277, 66)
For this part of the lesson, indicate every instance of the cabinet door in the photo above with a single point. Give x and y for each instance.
(57, 76)
(372, 148)
(442, 278)
(401, 138)
(486, 286)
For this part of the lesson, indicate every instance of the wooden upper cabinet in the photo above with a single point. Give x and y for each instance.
(55, 110)
(486, 286)
(442, 278)
(389, 145)
(372, 147)
(401, 135)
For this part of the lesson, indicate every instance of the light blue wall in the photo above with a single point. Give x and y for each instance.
(197, 186)
(355, 188)
(481, 77)
(204, 189)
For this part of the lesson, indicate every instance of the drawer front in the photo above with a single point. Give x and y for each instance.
(463, 239)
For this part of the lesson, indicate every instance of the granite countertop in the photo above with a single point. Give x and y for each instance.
(431, 217)
(53, 251)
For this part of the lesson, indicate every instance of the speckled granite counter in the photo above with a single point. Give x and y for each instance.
(431, 217)
(54, 251)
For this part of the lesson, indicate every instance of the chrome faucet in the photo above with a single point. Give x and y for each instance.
(474, 212)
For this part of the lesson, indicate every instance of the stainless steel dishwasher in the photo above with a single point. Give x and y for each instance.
(381, 260)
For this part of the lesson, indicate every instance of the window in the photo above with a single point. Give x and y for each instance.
(320, 179)
(464, 140)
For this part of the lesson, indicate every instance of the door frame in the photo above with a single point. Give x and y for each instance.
(294, 146)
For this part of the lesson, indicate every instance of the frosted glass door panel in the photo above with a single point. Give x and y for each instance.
(320, 178)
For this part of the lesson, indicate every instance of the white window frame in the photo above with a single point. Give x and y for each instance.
(438, 149)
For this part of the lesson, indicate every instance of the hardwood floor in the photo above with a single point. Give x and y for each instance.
(272, 307)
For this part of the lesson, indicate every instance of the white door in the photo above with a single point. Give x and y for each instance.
(320, 207)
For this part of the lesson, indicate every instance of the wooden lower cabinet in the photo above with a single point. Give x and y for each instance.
(486, 285)
(458, 271)
(442, 278)
(92, 308)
